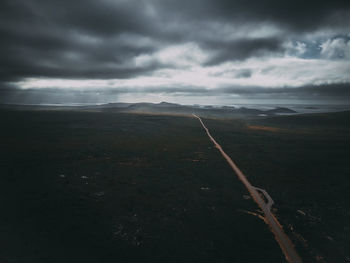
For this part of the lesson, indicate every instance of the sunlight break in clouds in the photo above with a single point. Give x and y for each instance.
(268, 72)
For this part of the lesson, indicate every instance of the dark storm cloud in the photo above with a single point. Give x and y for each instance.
(240, 49)
(331, 92)
(71, 39)
(238, 74)
(100, 39)
(98, 17)
(297, 15)
(326, 90)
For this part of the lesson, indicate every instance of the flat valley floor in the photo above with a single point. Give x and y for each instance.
(113, 187)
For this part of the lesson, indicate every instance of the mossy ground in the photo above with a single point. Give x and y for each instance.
(103, 187)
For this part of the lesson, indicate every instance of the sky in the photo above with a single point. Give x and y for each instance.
(190, 52)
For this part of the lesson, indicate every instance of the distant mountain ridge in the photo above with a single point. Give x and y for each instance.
(205, 111)
(165, 108)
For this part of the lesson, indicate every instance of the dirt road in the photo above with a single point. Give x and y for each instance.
(275, 227)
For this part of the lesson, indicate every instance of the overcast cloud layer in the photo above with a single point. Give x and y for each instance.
(153, 50)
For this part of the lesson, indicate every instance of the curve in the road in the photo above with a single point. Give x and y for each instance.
(283, 240)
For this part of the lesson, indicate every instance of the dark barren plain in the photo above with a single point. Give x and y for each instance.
(87, 185)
